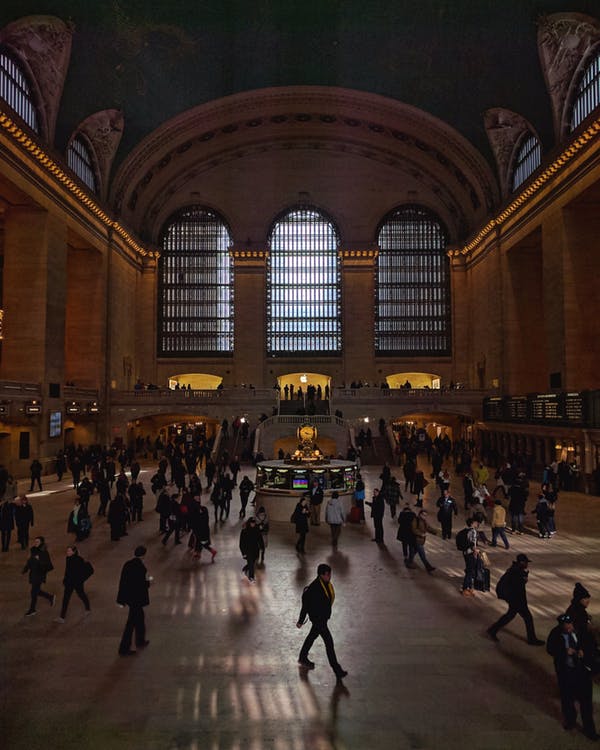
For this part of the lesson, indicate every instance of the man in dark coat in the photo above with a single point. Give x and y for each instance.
(38, 566)
(251, 545)
(36, 474)
(515, 594)
(246, 487)
(133, 593)
(317, 600)
(405, 534)
(447, 508)
(77, 571)
(23, 519)
(7, 522)
(574, 675)
(377, 504)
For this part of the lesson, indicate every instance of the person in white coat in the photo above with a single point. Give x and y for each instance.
(334, 515)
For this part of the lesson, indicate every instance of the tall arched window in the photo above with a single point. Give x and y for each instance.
(588, 93)
(303, 285)
(79, 159)
(412, 315)
(529, 158)
(195, 289)
(16, 91)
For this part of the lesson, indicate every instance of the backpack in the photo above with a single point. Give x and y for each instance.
(503, 587)
(462, 540)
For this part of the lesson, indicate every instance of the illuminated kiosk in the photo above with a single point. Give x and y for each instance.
(280, 484)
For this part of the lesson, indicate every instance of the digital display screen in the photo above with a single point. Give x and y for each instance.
(300, 483)
(55, 427)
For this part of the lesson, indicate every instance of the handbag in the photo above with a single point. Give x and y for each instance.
(88, 570)
(485, 559)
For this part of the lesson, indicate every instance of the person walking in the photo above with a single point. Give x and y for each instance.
(77, 571)
(262, 522)
(420, 527)
(512, 588)
(38, 566)
(334, 515)
(245, 488)
(200, 527)
(405, 535)
(574, 675)
(466, 542)
(7, 522)
(499, 524)
(23, 520)
(133, 593)
(316, 500)
(377, 504)
(359, 497)
(317, 601)
(393, 495)
(447, 508)
(174, 521)
(36, 474)
(300, 519)
(251, 545)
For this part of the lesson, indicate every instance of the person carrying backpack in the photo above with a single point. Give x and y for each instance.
(466, 542)
(511, 588)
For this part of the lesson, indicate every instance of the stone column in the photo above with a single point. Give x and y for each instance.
(250, 322)
(358, 331)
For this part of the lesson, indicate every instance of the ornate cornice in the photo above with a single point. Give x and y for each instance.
(557, 167)
(60, 176)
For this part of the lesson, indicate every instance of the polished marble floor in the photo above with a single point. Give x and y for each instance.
(220, 672)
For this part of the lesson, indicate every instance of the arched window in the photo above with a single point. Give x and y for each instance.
(529, 158)
(195, 288)
(16, 91)
(412, 315)
(588, 93)
(79, 159)
(303, 285)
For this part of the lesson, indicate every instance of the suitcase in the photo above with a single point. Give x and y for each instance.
(354, 515)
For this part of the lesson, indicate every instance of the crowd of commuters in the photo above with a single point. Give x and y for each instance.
(186, 472)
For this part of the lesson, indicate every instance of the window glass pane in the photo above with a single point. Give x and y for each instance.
(412, 306)
(79, 160)
(528, 160)
(303, 286)
(16, 92)
(588, 93)
(195, 295)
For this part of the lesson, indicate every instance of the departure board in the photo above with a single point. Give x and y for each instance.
(573, 408)
(544, 407)
(515, 408)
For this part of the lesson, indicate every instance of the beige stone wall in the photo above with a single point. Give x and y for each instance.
(121, 344)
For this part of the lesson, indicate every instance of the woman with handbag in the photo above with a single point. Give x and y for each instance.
(77, 571)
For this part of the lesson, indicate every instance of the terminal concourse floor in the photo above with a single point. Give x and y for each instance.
(220, 672)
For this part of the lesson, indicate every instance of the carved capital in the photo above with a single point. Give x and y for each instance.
(43, 45)
(504, 129)
(564, 42)
(103, 130)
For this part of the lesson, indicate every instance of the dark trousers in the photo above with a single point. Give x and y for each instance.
(136, 513)
(301, 541)
(135, 621)
(446, 528)
(36, 590)
(575, 684)
(23, 535)
(419, 549)
(5, 540)
(378, 524)
(244, 501)
(33, 481)
(249, 567)
(336, 529)
(513, 611)
(405, 548)
(320, 629)
(173, 527)
(67, 596)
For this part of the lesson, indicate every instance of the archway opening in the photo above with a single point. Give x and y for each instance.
(195, 381)
(414, 380)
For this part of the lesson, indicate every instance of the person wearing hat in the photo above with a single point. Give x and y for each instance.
(582, 623)
(512, 588)
(573, 674)
(133, 593)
